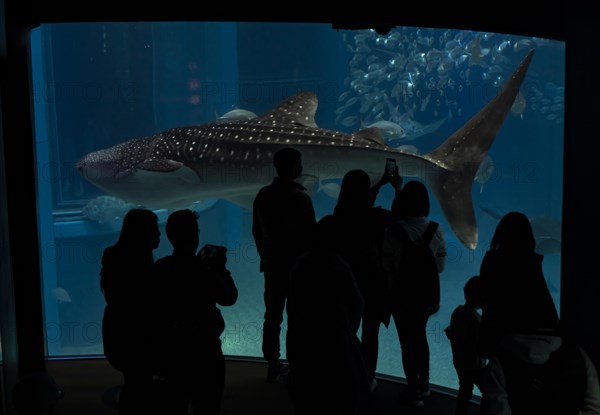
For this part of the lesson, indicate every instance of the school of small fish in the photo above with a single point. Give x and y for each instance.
(412, 80)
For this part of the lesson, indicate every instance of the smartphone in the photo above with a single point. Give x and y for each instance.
(390, 166)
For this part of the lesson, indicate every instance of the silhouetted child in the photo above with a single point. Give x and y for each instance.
(463, 333)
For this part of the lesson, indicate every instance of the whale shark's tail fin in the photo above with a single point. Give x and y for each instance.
(459, 157)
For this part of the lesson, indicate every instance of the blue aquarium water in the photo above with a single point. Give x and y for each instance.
(100, 84)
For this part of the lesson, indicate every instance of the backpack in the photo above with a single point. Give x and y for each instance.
(417, 284)
(556, 387)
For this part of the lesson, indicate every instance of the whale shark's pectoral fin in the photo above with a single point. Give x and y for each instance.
(547, 246)
(310, 182)
(494, 214)
(243, 201)
(372, 134)
(160, 165)
(298, 109)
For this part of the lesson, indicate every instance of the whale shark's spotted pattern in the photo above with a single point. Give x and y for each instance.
(233, 160)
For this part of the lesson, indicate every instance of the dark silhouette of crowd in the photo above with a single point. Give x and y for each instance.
(334, 280)
(171, 305)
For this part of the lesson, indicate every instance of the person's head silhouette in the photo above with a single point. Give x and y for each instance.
(327, 238)
(514, 233)
(183, 230)
(414, 200)
(355, 190)
(288, 163)
(139, 230)
(472, 290)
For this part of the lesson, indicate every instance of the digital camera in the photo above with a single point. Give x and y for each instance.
(213, 251)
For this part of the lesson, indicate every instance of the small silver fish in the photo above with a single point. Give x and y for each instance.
(484, 172)
(236, 115)
(343, 96)
(389, 130)
(61, 295)
(350, 121)
(409, 148)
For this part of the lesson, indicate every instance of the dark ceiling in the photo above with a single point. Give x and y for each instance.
(382, 17)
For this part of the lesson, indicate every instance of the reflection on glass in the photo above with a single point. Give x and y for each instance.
(98, 85)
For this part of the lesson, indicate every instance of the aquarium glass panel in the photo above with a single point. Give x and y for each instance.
(97, 85)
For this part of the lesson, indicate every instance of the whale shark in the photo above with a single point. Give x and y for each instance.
(233, 160)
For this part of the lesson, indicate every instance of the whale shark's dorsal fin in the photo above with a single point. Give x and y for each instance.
(160, 165)
(372, 134)
(298, 109)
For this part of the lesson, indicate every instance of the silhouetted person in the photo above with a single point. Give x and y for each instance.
(324, 312)
(362, 225)
(190, 287)
(127, 325)
(533, 367)
(463, 333)
(515, 296)
(410, 316)
(283, 228)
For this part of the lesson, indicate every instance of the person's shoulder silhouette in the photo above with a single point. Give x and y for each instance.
(139, 231)
(515, 296)
(323, 266)
(178, 273)
(190, 278)
(513, 235)
(127, 265)
(355, 193)
(415, 200)
(139, 236)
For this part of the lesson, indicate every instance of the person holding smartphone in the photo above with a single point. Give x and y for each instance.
(190, 287)
(362, 226)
